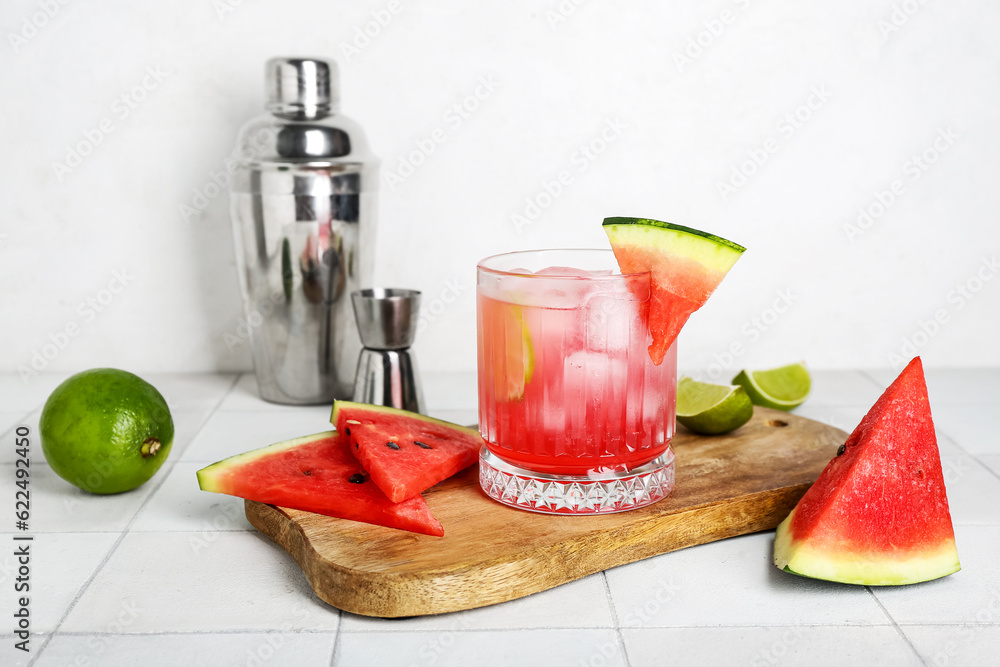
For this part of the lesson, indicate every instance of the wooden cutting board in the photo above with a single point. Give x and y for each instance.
(743, 482)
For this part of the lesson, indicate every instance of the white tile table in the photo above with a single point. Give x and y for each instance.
(170, 575)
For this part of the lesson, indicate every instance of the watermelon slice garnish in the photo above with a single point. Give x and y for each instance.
(316, 473)
(404, 452)
(685, 267)
(878, 514)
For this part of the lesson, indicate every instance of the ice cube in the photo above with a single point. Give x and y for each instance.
(573, 272)
(610, 316)
(562, 288)
(591, 380)
(564, 271)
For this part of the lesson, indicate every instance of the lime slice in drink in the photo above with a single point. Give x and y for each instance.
(514, 361)
(783, 388)
(712, 409)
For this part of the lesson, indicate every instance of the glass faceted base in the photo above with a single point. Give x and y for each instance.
(603, 493)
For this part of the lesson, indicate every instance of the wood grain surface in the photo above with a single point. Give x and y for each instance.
(742, 482)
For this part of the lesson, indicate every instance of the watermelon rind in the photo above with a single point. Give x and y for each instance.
(339, 406)
(851, 567)
(210, 479)
(713, 251)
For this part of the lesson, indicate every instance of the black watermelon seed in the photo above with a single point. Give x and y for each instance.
(347, 431)
(392, 445)
(422, 445)
(841, 449)
(307, 472)
(357, 478)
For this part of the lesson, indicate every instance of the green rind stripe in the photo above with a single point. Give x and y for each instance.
(210, 478)
(889, 573)
(718, 240)
(395, 412)
(847, 567)
(717, 258)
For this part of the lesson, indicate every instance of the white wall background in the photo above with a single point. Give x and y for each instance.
(894, 75)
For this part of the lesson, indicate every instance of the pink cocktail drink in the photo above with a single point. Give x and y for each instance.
(576, 416)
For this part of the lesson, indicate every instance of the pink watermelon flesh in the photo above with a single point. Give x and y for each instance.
(318, 474)
(677, 289)
(405, 453)
(880, 505)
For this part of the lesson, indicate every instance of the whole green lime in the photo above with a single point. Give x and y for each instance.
(106, 430)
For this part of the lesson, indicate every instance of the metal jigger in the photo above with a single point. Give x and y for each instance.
(387, 322)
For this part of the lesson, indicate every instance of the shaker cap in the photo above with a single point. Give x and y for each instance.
(302, 86)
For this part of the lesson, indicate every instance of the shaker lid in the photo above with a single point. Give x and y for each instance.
(302, 87)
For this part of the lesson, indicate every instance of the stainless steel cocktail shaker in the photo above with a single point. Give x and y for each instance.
(303, 212)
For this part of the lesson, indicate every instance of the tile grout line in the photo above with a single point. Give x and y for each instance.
(21, 421)
(974, 404)
(868, 376)
(551, 628)
(336, 638)
(896, 626)
(614, 618)
(989, 469)
(971, 455)
(114, 547)
(547, 628)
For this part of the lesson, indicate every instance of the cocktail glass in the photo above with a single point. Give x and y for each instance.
(577, 419)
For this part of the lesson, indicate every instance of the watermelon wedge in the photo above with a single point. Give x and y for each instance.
(316, 473)
(685, 267)
(404, 452)
(878, 514)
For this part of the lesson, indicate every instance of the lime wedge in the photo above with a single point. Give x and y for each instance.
(781, 388)
(712, 409)
(514, 361)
